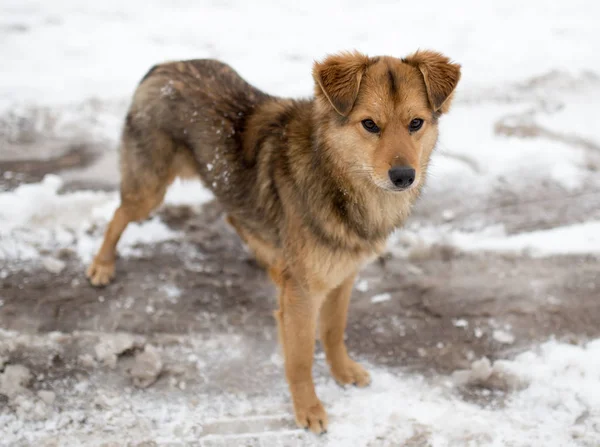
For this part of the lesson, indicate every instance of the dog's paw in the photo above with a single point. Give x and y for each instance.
(350, 373)
(312, 417)
(100, 273)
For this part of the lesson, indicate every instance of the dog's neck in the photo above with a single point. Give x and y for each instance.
(367, 213)
(343, 209)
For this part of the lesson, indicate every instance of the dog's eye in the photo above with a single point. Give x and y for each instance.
(370, 126)
(415, 124)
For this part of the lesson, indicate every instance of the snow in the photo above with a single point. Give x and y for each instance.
(121, 40)
(460, 322)
(362, 285)
(129, 38)
(574, 239)
(525, 114)
(560, 384)
(502, 336)
(554, 400)
(381, 298)
(37, 217)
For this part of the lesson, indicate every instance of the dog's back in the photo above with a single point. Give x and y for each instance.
(201, 118)
(201, 104)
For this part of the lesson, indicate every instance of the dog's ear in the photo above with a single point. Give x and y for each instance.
(338, 79)
(440, 75)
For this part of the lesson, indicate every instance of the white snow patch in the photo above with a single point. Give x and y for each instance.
(460, 322)
(381, 298)
(36, 218)
(502, 336)
(187, 192)
(111, 346)
(147, 367)
(362, 285)
(561, 385)
(172, 292)
(550, 396)
(581, 238)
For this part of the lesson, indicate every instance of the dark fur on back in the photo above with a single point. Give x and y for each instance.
(209, 110)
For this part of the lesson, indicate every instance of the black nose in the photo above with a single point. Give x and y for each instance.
(402, 176)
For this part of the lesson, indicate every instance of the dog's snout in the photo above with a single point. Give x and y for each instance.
(402, 176)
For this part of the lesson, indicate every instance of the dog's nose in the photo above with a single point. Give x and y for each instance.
(402, 176)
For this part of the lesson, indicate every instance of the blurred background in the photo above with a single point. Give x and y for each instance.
(480, 325)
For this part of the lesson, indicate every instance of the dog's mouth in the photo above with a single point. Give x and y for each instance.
(393, 188)
(387, 185)
(401, 189)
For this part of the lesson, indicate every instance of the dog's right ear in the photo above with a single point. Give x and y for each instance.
(338, 79)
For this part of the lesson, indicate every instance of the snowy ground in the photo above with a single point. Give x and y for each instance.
(500, 261)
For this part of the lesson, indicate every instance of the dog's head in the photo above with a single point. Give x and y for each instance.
(381, 113)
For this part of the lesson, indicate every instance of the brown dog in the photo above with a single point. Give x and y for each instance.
(314, 187)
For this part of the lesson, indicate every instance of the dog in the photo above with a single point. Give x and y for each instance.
(314, 187)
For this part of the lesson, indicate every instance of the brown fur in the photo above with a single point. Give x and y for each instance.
(302, 182)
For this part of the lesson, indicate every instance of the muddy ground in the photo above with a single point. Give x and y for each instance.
(205, 305)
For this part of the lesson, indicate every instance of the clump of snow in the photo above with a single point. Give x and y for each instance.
(362, 285)
(460, 322)
(112, 345)
(47, 396)
(53, 265)
(14, 380)
(502, 336)
(148, 365)
(30, 408)
(14, 384)
(187, 192)
(172, 292)
(87, 360)
(381, 298)
(485, 374)
(448, 215)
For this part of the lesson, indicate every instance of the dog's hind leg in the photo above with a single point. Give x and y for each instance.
(147, 169)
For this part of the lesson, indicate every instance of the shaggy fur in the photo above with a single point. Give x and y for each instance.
(303, 182)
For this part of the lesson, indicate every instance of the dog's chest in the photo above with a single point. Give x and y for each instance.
(336, 268)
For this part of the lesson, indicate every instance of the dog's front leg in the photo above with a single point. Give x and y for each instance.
(297, 319)
(332, 325)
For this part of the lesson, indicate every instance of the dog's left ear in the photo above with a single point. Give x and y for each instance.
(440, 75)
(338, 79)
